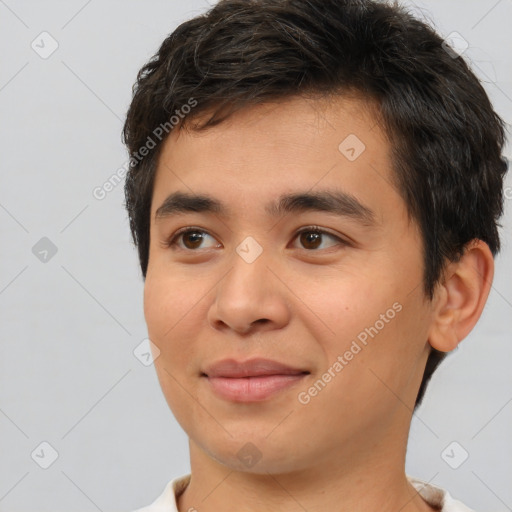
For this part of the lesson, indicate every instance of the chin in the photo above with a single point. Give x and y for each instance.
(250, 453)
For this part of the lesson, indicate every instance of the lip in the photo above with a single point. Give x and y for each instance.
(256, 367)
(251, 381)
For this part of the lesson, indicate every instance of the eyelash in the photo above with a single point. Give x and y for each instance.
(172, 241)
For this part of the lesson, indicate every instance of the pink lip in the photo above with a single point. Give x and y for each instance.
(251, 381)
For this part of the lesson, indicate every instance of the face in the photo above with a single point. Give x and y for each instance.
(329, 284)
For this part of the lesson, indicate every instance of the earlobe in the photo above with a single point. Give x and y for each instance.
(461, 296)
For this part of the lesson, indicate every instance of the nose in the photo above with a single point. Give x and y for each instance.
(249, 298)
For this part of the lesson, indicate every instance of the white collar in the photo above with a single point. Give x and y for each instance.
(434, 496)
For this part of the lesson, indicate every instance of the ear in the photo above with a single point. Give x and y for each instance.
(460, 297)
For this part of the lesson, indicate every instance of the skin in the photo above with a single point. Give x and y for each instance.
(301, 305)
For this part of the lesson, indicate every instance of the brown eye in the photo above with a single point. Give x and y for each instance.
(191, 239)
(312, 238)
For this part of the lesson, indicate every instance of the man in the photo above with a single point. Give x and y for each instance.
(314, 193)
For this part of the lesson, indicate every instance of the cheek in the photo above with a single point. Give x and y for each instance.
(168, 302)
(389, 348)
(162, 312)
(341, 309)
(175, 310)
(373, 324)
(172, 327)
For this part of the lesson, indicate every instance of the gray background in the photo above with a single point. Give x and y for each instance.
(70, 324)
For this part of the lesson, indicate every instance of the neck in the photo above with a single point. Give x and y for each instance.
(341, 480)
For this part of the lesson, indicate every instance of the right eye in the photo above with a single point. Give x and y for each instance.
(190, 238)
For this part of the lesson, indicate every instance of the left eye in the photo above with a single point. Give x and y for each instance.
(192, 238)
(311, 238)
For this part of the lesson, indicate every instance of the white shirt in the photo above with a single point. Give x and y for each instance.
(434, 496)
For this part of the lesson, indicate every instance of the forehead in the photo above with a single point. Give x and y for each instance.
(264, 150)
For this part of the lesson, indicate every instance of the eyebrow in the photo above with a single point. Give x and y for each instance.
(337, 202)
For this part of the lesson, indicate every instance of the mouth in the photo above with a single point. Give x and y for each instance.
(255, 380)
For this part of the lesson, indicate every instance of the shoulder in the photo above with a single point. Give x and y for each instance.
(167, 502)
(437, 497)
